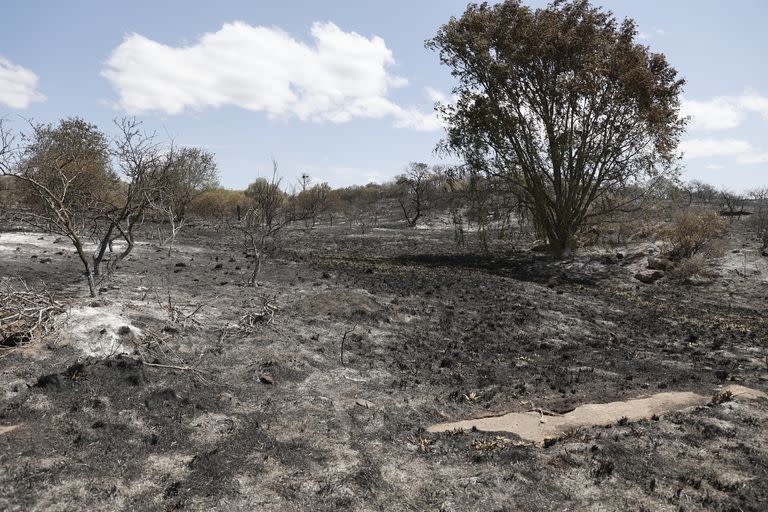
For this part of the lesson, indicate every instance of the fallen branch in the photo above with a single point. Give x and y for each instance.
(343, 340)
(25, 313)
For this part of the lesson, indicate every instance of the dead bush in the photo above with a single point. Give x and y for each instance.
(692, 232)
(696, 266)
(758, 224)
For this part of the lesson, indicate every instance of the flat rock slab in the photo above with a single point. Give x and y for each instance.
(537, 428)
(4, 429)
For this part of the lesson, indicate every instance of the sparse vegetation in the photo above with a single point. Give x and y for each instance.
(691, 231)
(290, 345)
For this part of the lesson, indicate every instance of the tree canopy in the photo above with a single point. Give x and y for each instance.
(562, 102)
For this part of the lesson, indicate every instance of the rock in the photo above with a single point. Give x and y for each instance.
(764, 377)
(51, 381)
(619, 255)
(123, 330)
(266, 378)
(181, 264)
(218, 266)
(364, 403)
(697, 280)
(649, 277)
(659, 263)
(225, 397)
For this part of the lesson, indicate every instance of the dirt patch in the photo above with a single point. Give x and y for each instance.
(342, 305)
(539, 427)
(98, 331)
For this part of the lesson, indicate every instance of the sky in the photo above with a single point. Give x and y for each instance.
(342, 90)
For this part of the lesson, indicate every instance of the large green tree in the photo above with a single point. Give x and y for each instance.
(561, 102)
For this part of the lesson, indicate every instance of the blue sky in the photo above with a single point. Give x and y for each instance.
(342, 90)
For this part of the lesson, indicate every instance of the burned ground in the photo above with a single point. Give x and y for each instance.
(234, 408)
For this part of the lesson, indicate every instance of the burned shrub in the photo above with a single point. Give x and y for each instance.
(695, 266)
(758, 224)
(692, 231)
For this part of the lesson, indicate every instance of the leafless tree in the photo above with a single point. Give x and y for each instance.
(264, 219)
(732, 203)
(415, 191)
(74, 191)
(759, 219)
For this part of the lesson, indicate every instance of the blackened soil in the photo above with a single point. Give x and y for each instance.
(273, 419)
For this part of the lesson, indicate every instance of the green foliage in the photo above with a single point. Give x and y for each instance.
(192, 172)
(72, 160)
(562, 101)
(218, 203)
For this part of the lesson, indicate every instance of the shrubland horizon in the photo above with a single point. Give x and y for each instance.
(358, 125)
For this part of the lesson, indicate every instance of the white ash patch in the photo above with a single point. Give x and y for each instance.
(97, 332)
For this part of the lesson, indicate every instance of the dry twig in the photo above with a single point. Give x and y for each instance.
(25, 313)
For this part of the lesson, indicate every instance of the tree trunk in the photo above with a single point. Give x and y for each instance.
(561, 244)
(92, 286)
(89, 274)
(252, 282)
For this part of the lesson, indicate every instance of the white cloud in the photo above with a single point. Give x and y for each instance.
(715, 114)
(724, 112)
(741, 150)
(753, 102)
(18, 85)
(340, 76)
(753, 158)
(702, 148)
(434, 95)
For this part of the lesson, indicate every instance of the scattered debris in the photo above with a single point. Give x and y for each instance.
(364, 403)
(25, 313)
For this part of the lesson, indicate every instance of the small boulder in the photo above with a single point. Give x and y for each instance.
(659, 263)
(649, 277)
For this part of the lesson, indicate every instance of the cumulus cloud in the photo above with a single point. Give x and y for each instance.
(743, 152)
(18, 85)
(701, 148)
(339, 77)
(753, 158)
(434, 95)
(715, 114)
(724, 112)
(754, 102)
